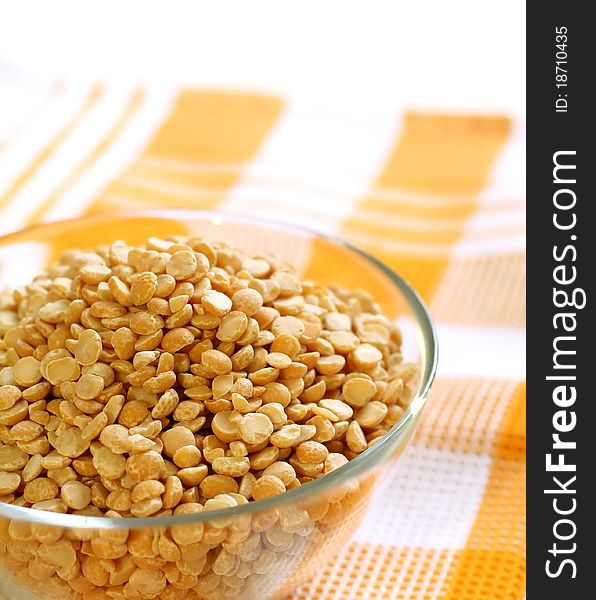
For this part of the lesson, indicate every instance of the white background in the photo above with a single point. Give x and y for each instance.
(464, 55)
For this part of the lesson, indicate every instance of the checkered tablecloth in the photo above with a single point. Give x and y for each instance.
(438, 197)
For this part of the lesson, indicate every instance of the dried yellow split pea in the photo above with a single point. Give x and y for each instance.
(181, 376)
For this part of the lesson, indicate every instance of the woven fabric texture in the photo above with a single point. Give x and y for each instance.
(438, 197)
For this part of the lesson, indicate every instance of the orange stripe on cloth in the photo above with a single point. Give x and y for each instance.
(375, 572)
(120, 124)
(423, 273)
(216, 126)
(491, 574)
(445, 154)
(53, 145)
(209, 177)
(493, 565)
(207, 127)
(500, 281)
(510, 443)
(447, 157)
(465, 414)
(399, 232)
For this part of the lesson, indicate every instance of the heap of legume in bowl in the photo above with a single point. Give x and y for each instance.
(172, 379)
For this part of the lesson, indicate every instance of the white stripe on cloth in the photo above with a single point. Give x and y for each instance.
(507, 180)
(321, 205)
(324, 210)
(336, 194)
(498, 353)
(480, 222)
(421, 504)
(284, 203)
(504, 185)
(321, 212)
(329, 152)
(483, 220)
(492, 244)
(293, 206)
(513, 243)
(38, 133)
(14, 271)
(138, 132)
(66, 158)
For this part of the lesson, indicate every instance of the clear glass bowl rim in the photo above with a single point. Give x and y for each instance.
(354, 468)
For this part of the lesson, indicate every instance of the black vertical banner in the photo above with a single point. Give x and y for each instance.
(561, 274)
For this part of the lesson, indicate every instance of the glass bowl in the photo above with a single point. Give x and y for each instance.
(260, 550)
